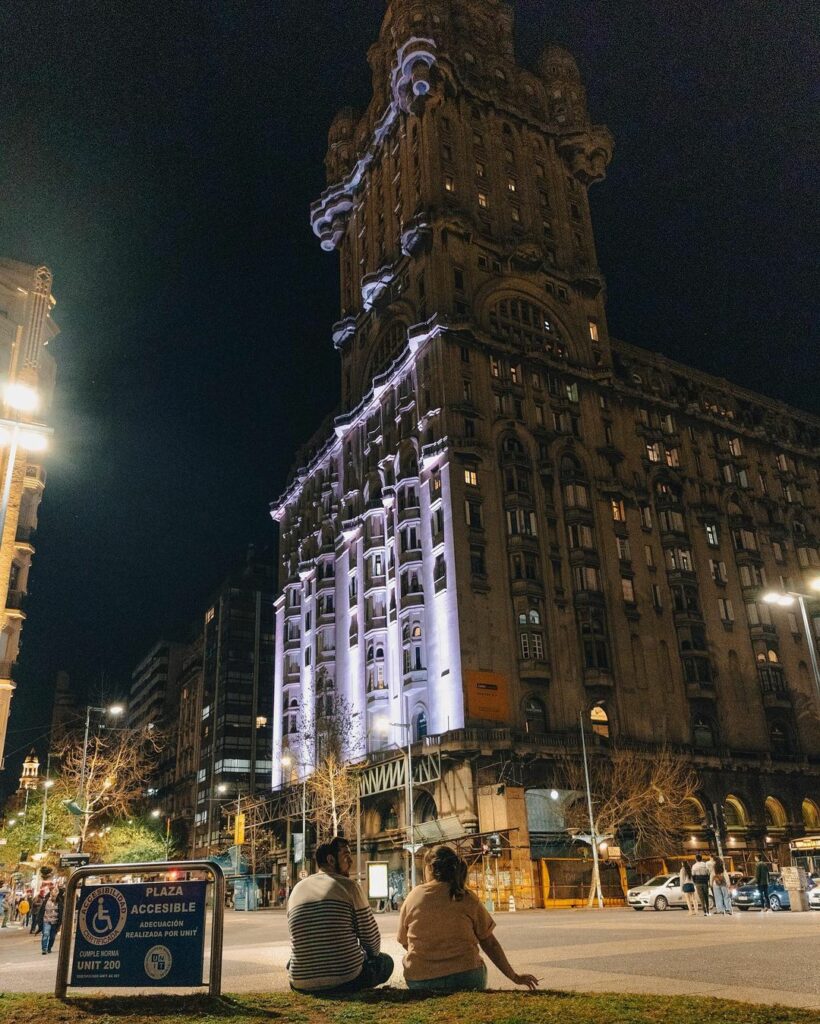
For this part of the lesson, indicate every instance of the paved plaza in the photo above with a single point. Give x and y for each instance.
(765, 958)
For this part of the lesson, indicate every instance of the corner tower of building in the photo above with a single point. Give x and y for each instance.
(465, 175)
(26, 390)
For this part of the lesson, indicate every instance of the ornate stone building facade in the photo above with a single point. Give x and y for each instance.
(516, 518)
(27, 382)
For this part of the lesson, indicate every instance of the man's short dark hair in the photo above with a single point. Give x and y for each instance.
(330, 849)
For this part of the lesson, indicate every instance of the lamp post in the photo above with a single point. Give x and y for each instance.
(114, 710)
(785, 599)
(384, 725)
(287, 761)
(47, 784)
(593, 838)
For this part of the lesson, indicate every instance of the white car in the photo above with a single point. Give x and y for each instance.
(814, 898)
(660, 892)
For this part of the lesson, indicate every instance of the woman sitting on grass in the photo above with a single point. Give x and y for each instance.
(442, 925)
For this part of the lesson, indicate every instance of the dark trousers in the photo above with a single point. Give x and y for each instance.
(375, 971)
(703, 892)
(764, 896)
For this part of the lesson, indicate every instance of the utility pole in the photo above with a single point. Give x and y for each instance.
(593, 839)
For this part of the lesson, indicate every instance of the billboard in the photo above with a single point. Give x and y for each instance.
(488, 696)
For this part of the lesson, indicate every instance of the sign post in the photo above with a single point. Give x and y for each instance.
(140, 934)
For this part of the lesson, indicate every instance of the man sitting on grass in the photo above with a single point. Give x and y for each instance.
(335, 940)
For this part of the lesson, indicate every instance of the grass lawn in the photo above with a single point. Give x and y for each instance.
(393, 1006)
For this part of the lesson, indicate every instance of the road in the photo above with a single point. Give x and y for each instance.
(764, 958)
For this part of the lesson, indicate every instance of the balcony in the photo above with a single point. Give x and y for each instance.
(375, 582)
(773, 686)
(408, 513)
(410, 556)
(412, 599)
(15, 600)
(24, 535)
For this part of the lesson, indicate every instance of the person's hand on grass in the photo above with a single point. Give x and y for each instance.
(529, 980)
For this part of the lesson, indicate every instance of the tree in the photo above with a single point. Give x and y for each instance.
(637, 797)
(129, 842)
(334, 734)
(109, 778)
(24, 835)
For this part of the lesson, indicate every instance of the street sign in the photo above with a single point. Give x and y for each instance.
(140, 935)
(74, 860)
(239, 830)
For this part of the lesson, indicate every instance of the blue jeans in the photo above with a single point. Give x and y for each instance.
(464, 981)
(46, 941)
(723, 901)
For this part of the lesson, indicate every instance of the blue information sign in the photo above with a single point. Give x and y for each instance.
(140, 935)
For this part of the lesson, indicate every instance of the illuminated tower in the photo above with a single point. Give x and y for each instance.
(27, 379)
(518, 520)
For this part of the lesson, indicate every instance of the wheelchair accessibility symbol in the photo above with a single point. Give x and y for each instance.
(103, 914)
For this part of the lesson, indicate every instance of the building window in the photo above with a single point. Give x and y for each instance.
(472, 514)
(649, 557)
(657, 601)
(458, 279)
(469, 427)
(576, 495)
(477, 563)
(672, 458)
(627, 590)
(718, 570)
(587, 577)
(712, 535)
(618, 511)
(726, 611)
(495, 367)
(599, 721)
(735, 446)
(449, 183)
(623, 548)
(653, 451)
(646, 516)
(470, 476)
(483, 200)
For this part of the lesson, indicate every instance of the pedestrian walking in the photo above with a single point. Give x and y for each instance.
(442, 925)
(688, 889)
(720, 888)
(51, 913)
(36, 906)
(701, 873)
(762, 881)
(5, 896)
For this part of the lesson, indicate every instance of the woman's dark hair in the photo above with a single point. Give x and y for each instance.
(685, 872)
(718, 866)
(447, 866)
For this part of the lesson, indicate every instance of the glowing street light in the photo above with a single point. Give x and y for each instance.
(21, 397)
(785, 599)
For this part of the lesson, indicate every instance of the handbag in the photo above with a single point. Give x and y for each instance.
(688, 886)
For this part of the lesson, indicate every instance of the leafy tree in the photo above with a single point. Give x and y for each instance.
(131, 841)
(24, 835)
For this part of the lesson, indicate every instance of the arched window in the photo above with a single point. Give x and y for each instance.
(703, 733)
(420, 725)
(425, 808)
(811, 815)
(775, 813)
(535, 717)
(388, 348)
(734, 812)
(389, 818)
(529, 324)
(694, 812)
(600, 721)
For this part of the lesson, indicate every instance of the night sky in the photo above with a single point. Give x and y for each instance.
(161, 157)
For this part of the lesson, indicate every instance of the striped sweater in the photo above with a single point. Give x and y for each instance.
(332, 931)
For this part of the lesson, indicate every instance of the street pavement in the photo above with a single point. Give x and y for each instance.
(755, 957)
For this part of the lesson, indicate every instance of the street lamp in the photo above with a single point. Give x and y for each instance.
(114, 710)
(384, 726)
(785, 599)
(286, 761)
(593, 838)
(20, 399)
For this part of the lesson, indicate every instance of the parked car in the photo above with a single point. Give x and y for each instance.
(660, 892)
(814, 898)
(747, 896)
